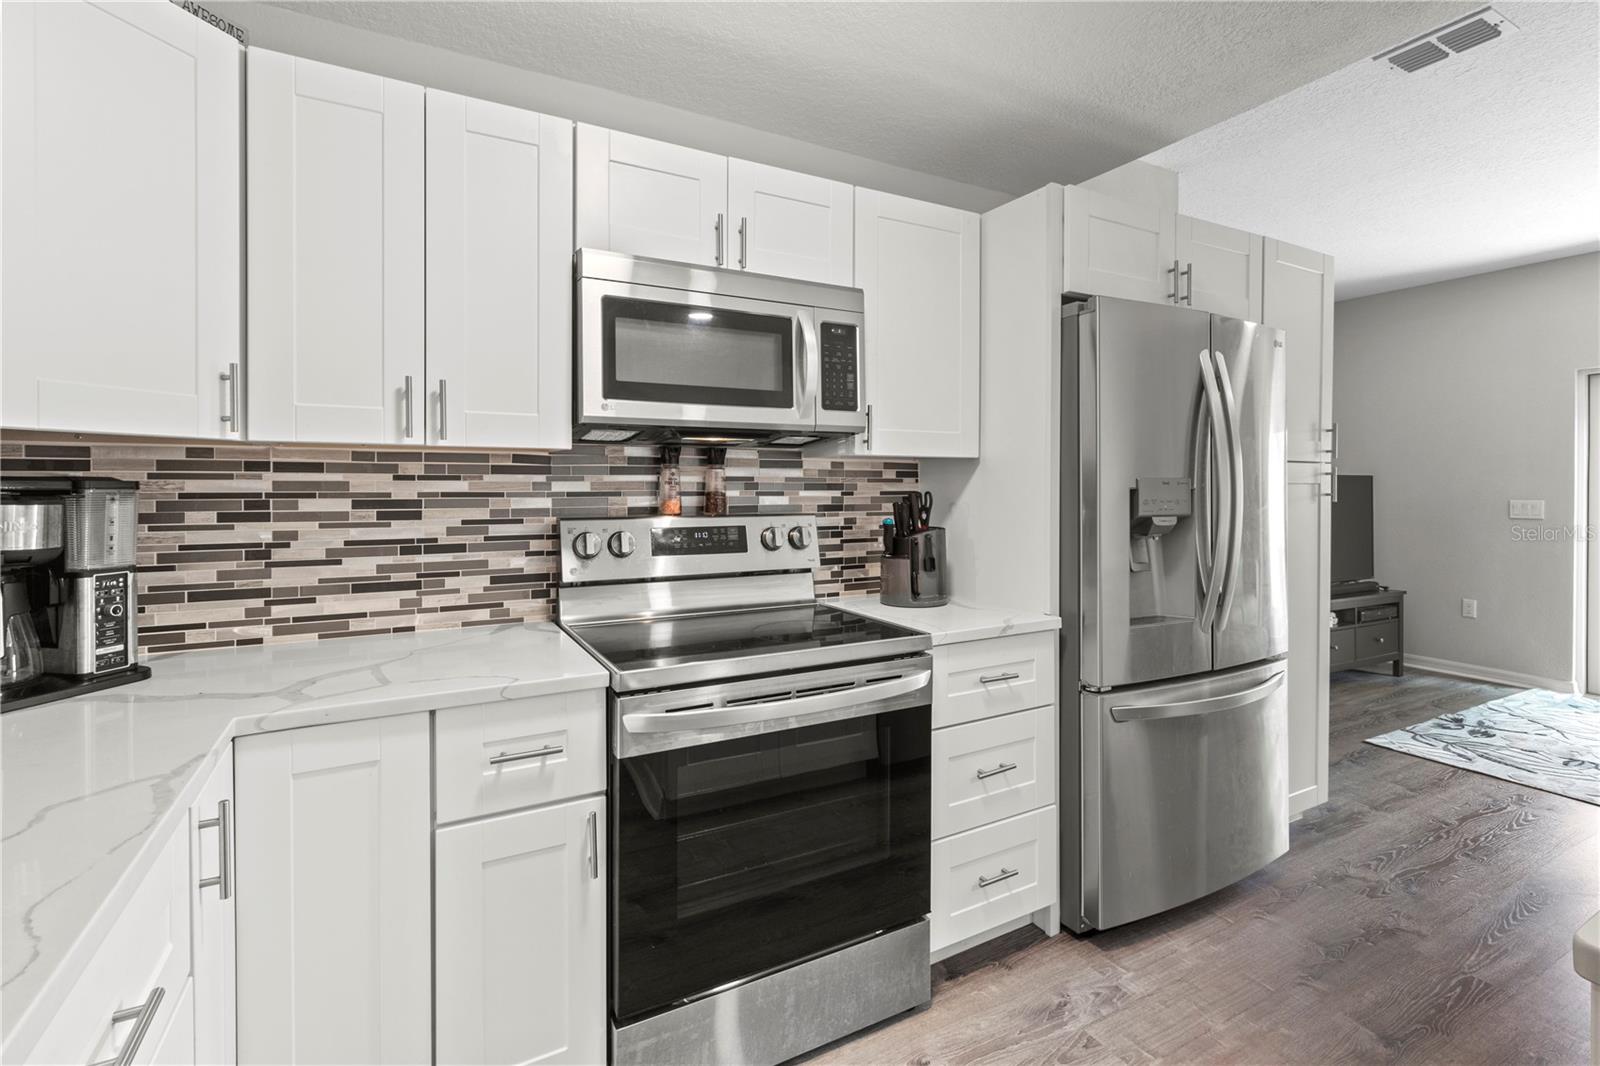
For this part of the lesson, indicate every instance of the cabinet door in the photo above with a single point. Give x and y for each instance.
(521, 929)
(333, 895)
(121, 222)
(499, 275)
(1224, 268)
(917, 265)
(790, 224)
(1119, 248)
(335, 253)
(1307, 518)
(211, 887)
(177, 1046)
(1297, 297)
(651, 198)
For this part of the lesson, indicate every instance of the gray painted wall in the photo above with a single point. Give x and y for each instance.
(349, 46)
(1458, 397)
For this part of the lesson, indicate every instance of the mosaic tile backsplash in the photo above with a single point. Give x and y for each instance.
(253, 543)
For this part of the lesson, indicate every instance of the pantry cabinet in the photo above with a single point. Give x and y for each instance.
(651, 198)
(120, 209)
(334, 893)
(1120, 247)
(790, 224)
(1220, 268)
(335, 279)
(1307, 524)
(1297, 297)
(211, 904)
(499, 276)
(521, 934)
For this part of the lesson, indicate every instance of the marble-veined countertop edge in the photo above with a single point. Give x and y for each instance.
(955, 622)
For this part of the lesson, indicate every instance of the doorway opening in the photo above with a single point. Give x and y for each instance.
(1586, 542)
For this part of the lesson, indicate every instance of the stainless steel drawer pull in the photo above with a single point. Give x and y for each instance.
(223, 882)
(520, 756)
(1003, 875)
(1003, 768)
(995, 679)
(141, 1017)
(594, 846)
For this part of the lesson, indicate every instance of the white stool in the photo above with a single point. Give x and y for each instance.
(1586, 960)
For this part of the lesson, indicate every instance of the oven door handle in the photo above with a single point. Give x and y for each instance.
(861, 697)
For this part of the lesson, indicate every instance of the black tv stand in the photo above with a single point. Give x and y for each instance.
(1368, 629)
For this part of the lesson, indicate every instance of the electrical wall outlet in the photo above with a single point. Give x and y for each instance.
(1533, 509)
(1469, 608)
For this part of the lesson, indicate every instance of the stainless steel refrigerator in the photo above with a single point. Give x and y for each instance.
(1173, 732)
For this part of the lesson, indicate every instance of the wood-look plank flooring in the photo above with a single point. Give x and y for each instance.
(1423, 914)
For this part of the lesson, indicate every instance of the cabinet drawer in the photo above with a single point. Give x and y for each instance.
(983, 678)
(1372, 641)
(988, 876)
(496, 757)
(1341, 646)
(992, 769)
(146, 950)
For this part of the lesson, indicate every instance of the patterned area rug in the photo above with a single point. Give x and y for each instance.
(1544, 739)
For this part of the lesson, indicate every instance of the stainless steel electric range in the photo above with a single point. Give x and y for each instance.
(769, 790)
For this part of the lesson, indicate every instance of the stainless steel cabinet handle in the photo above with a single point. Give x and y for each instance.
(223, 882)
(408, 406)
(141, 1017)
(594, 846)
(1004, 875)
(744, 238)
(231, 418)
(1005, 767)
(1188, 284)
(1333, 445)
(522, 756)
(1333, 483)
(995, 679)
(717, 229)
(1173, 270)
(866, 438)
(444, 409)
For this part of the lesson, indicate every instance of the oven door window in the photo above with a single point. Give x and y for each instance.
(744, 856)
(675, 353)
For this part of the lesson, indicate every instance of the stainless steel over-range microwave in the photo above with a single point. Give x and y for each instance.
(678, 353)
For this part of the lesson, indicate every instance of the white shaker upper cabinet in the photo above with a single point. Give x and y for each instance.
(645, 197)
(1297, 297)
(1122, 248)
(917, 265)
(120, 214)
(790, 224)
(1307, 520)
(499, 360)
(521, 930)
(1224, 268)
(335, 253)
(334, 899)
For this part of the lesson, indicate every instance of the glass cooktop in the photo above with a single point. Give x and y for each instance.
(827, 633)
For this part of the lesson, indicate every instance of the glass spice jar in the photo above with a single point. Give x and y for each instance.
(716, 482)
(669, 482)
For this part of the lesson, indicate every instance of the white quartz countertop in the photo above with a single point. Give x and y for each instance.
(954, 622)
(92, 787)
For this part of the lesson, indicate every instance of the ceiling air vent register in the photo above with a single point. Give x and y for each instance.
(1453, 37)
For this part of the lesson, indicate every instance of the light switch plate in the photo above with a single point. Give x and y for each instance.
(1528, 509)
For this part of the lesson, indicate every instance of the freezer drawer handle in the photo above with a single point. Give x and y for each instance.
(1189, 708)
(1005, 874)
(1003, 768)
(995, 679)
(519, 756)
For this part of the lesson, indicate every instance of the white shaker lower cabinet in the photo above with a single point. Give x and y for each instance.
(520, 926)
(1297, 297)
(211, 888)
(333, 908)
(120, 199)
(1307, 522)
(499, 267)
(917, 266)
(335, 275)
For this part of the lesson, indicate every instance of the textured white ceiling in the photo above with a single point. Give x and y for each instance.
(1486, 160)
(1006, 96)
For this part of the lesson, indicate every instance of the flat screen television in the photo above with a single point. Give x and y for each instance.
(1352, 530)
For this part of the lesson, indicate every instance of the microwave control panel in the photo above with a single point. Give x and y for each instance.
(841, 352)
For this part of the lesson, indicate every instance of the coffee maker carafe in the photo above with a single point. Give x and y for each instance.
(67, 552)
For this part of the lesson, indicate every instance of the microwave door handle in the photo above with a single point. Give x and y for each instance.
(805, 403)
(859, 699)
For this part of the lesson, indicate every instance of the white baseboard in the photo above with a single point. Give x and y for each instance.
(1473, 672)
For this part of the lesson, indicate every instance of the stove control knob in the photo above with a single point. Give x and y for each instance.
(800, 537)
(586, 545)
(771, 538)
(621, 544)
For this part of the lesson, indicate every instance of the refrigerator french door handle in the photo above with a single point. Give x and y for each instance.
(1204, 553)
(1235, 490)
(1223, 535)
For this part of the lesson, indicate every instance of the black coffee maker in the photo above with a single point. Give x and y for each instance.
(70, 604)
